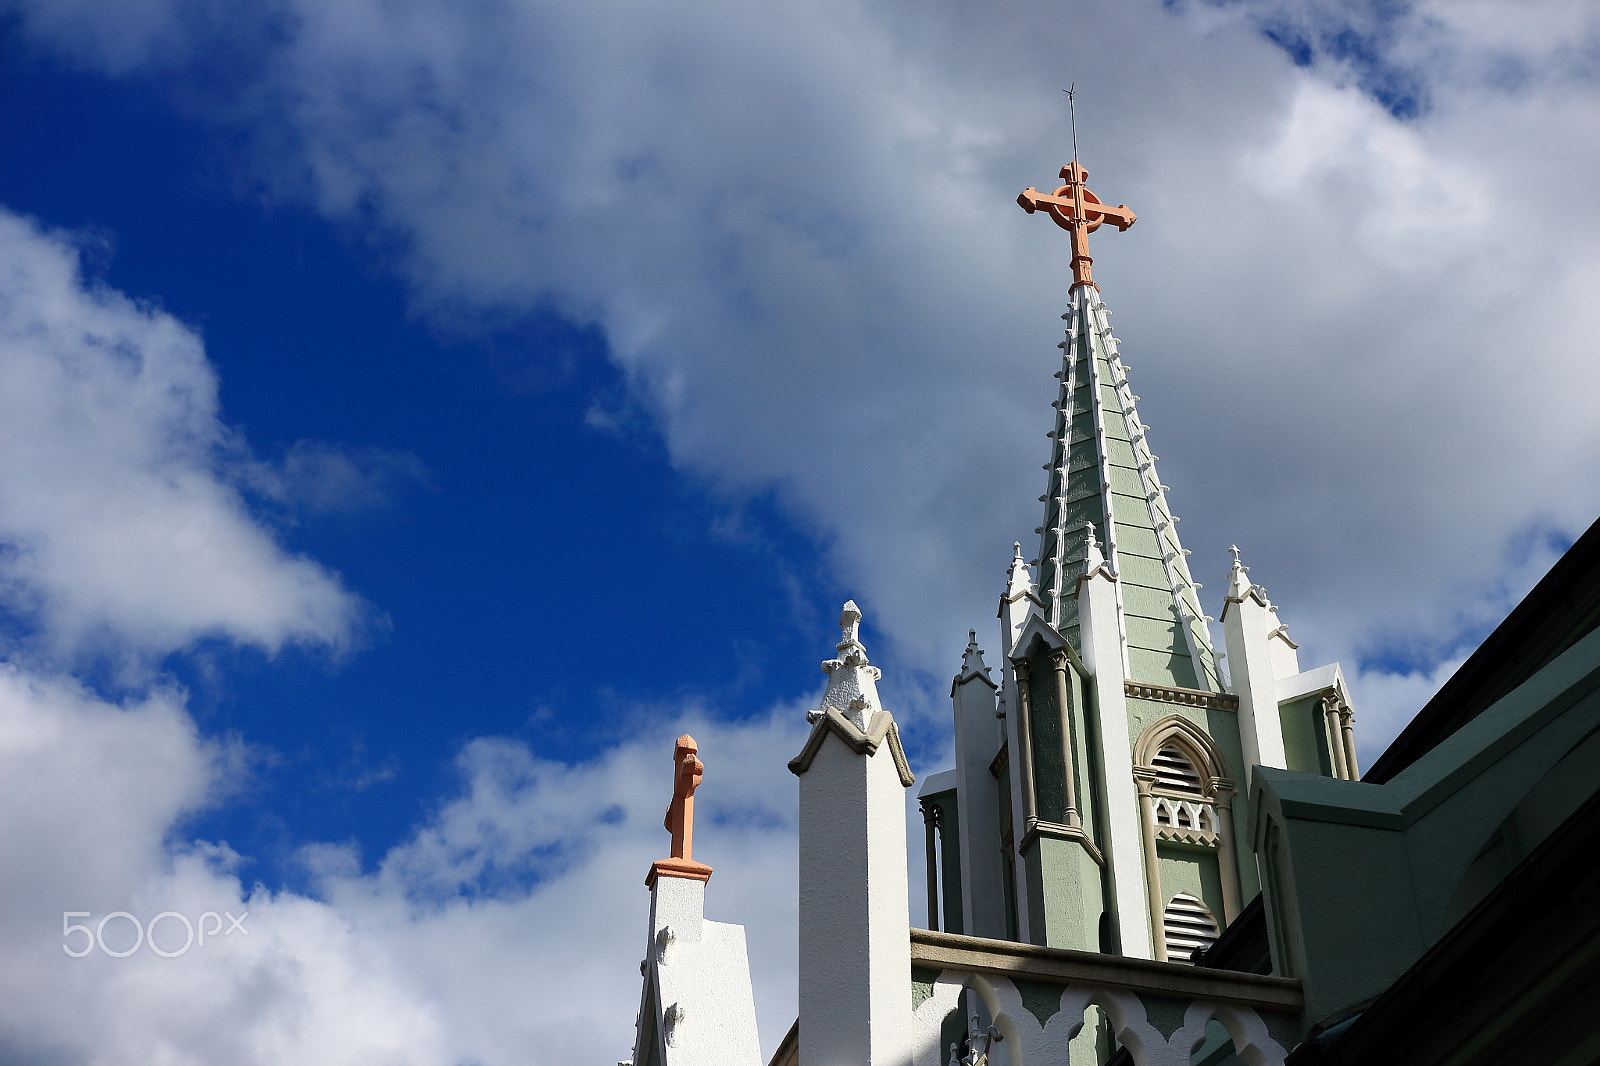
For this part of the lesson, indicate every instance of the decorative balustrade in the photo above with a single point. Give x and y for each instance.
(1036, 999)
(1186, 820)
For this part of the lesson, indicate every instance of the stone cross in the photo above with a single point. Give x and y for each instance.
(1080, 213)
(687, 772)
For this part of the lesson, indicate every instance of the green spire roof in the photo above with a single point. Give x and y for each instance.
(1103, 473)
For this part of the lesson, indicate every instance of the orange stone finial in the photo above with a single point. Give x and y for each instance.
(686, 775)
(1080, 213)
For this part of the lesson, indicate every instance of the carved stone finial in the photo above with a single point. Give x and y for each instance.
(852, 680)
(849, 623)
(1239, 585)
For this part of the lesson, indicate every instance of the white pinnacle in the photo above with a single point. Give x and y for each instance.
(1238, 580)
(972, 660)
(1020, 579)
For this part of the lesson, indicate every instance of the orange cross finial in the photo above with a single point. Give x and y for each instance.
(680, 815)
(1080, 213)
(687, 770)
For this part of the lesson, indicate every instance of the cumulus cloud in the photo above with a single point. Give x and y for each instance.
(1361, 324)
(123, 528)
(505, 930)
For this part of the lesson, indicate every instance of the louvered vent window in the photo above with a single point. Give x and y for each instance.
(1189, 926)
(1175, 773)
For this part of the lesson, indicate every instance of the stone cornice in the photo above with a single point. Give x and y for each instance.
(881, 727)
(1185, 697)
(971, 954)
(972, 675)
(1026, 594)
(685, 868)
(1057, 831)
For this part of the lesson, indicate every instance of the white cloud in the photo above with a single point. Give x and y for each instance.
(1364, 343)
(319, 477)
(122, 526)
(504, 931)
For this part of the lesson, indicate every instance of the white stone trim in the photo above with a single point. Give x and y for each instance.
(1087, 302)
(1104, 662)
(1312, 683)
(854, 910)
(696, 983)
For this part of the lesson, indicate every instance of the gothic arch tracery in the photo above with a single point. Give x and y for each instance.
(1195, 743)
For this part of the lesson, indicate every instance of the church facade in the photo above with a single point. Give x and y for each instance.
(1152, 850)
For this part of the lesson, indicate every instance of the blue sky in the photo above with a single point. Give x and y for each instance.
(416, 414)
(491, 510)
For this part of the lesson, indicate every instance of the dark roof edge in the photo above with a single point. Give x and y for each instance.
(1562, 608)
(1523, 927)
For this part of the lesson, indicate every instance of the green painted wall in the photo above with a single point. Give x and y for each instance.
(1045, 721)
(1065, 897)
(1192, 869)
(950, 904)
(1305, 736)
(1363, 878)
(1008, 870)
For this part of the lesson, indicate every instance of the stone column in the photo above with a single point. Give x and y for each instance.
(1030, 801)
(1330, 719)
(1347, 730)
(1017, 605)
(930, 823)
(1227, 858)
(696, 1007)
(1069, 786)
(978, 737)
(1144, 778)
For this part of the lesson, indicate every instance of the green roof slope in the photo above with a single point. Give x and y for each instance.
(1101, 473)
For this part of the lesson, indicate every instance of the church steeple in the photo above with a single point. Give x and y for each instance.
(1102, 474)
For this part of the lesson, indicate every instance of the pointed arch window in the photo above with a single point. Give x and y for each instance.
(1185, 798)
(1189, 926)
